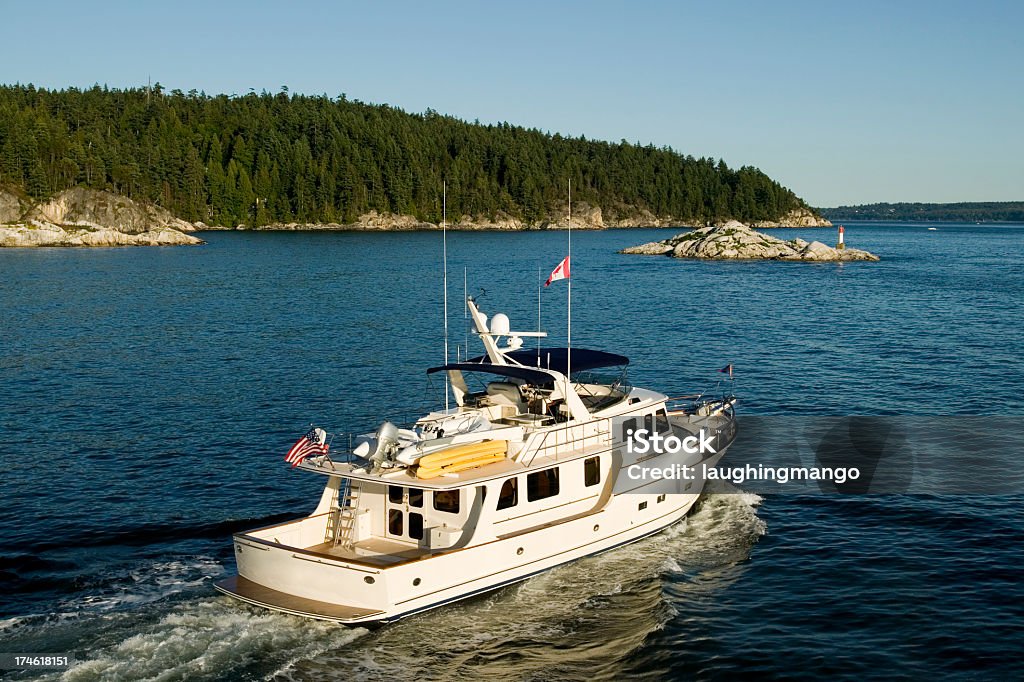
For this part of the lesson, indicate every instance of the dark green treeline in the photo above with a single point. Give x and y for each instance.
(263, 158)
(980, 211)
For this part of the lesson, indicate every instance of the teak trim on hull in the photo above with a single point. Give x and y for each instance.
(254, 593)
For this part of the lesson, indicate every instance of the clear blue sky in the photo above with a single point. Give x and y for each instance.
(844, 102)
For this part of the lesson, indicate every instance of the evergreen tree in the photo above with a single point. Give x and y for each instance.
(266, 158)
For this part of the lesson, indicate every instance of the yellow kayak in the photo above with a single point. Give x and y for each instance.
(461, 458)
(434, 472)
(460, 452)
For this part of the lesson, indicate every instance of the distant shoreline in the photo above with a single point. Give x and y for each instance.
(965, 211)
(921, 221)
(455, 228)
(484, 227)
(429, 227)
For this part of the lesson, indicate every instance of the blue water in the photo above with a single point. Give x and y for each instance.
(147, 397)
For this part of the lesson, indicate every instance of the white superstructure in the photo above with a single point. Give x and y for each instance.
(527, 471)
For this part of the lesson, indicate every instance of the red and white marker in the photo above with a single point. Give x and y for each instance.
(841, 245)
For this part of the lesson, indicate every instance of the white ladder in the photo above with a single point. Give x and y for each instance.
(343, 517)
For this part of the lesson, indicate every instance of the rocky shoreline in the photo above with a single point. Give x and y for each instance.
(736, 241)
(800, 217)
(86, 217)
(584, 217)
(47, 234)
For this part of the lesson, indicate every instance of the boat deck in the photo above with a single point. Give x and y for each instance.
(406, 476)
(375, 551)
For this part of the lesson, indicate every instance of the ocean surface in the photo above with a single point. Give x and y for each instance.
(148, 396)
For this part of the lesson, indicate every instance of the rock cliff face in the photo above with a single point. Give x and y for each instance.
(12, 206)
(631, 217)
(371, 221)
(79, 210)
(584, 217)
(85, 217)
(92, 208)
(47, 234)
(798, 217)
(736, 241)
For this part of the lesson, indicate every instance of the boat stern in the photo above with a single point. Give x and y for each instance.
(260, 595)
(293, 577)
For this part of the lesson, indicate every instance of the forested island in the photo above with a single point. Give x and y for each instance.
(271, 158)
(971, 212)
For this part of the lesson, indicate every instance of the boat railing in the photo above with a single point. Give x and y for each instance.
(683, 403)
(338, 457)
(343, 443)
(568, 439)
(693, 404)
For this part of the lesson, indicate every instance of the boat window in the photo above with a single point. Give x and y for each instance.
(415, 500)
(649, 423)
(395, 521)
(628, 427)
(591, 471)
(395, 493)
(509, 495)
(415, 526)
(662, 422)
(542, 484)
(446, 501)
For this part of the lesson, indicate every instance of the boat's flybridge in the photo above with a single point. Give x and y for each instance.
(524, 472)
(514, 408)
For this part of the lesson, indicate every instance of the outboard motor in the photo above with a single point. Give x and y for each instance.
(387, 446)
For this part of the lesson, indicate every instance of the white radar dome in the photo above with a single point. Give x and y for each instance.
(500, 324)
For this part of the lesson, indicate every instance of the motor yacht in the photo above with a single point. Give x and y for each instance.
(530, 467)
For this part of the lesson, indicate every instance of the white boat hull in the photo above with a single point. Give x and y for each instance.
(314, 585)
(532, 469)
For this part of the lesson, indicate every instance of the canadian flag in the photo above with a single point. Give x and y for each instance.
(560, 272)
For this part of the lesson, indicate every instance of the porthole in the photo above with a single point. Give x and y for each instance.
(416, 582)
(519, 551)
(596, 527)
(369, 580)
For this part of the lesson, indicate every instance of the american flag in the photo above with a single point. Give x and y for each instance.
(313, 443)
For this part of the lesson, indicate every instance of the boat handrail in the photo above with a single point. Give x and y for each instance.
(344, 441)
(690, 404)
(595, 437)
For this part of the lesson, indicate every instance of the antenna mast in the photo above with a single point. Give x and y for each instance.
(540, 278)
(444, 242)
(465, 305)
(568, 355)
